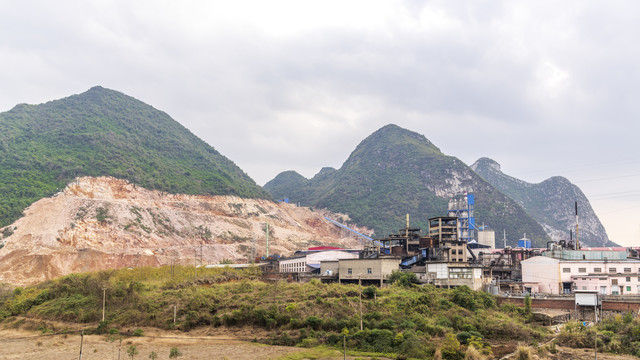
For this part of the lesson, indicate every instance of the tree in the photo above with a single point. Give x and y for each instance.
(174, 353)
(132, 351)
(527, 303)
(153, 355)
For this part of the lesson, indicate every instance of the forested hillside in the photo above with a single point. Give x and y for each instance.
(104, 132)
(395, 171)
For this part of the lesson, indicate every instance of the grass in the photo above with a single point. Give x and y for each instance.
(408, 320)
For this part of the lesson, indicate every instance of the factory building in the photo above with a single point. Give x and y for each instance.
(562, 271)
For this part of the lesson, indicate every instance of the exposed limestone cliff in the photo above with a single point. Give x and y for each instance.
(103, 223)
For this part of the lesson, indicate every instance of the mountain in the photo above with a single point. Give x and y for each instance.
(395, 171)
(104, 132)
(551, 203)
(106, 223)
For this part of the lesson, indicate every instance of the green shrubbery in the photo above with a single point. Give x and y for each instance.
(401, 319)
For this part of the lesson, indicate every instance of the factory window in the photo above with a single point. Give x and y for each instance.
(613, 270)
(582, 270)
(597, 270)
(627, 269)
(349, 271)
(614, 281)
(369, 271)
(628, 279)
(566, 270)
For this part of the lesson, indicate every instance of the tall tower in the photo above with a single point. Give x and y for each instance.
(461, 206)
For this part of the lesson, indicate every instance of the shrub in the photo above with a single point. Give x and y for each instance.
(405, 279)
(174, 353)
(313, 322)
(138, 332)
(370, 292)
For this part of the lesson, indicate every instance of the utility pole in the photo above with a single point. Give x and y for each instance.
(360, 291)
(267, 240)
(81, 340)
(595, 323)
(104, 300)
(344, 343)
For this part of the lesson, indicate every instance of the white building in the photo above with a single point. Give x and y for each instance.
(311, 260)
(444, 274)
(542, 274)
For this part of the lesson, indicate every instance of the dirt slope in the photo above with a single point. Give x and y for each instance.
(103, 223)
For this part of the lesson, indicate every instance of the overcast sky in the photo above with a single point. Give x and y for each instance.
(544, 88)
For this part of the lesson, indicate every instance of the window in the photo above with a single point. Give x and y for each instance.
(369, 271)
(613, 270)
(584, 288)
(603, 290)
(597, 270)
(460, 252)
(349, 271)
(628, 279)
(629, 288)
(582, 270)
(566, 270)
(614, 281)
(627, 269)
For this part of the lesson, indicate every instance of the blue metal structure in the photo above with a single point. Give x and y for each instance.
(462, 208)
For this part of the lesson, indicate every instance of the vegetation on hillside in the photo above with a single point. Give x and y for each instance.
(415, 321)
(104, 132)
(394, 172)
(618, 334)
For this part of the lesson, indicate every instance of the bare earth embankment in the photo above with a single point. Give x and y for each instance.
(105, 223)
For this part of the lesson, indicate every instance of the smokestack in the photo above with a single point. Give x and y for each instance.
(577, 239)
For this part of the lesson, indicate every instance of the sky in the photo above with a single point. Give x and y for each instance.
(544, 88)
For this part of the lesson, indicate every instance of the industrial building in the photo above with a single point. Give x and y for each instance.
(309, 261)
(562, 271)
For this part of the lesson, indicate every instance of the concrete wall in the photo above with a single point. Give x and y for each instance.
(367, 269)
(333, 266)
(569, 304)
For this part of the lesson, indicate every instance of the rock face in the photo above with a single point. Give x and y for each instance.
(104, 223)
(395, 171)
(551, 203)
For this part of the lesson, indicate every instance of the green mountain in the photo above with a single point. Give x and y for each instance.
(395, 171)
(104, 132)
(551, 203)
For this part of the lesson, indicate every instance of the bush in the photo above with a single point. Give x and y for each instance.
(174, 353)
(138, 332)
(370, 292)
(405, 279)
